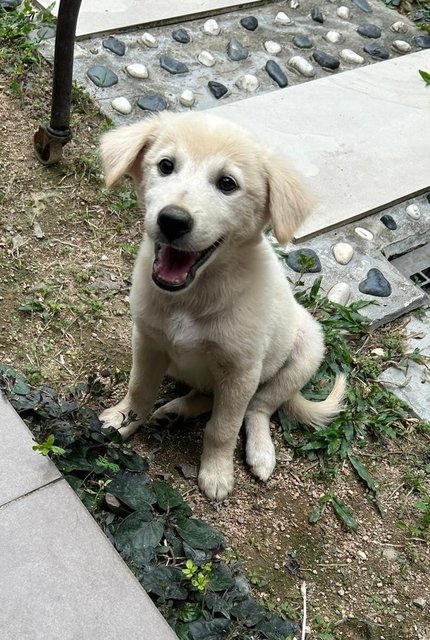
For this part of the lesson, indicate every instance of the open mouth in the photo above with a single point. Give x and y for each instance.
(174, 269)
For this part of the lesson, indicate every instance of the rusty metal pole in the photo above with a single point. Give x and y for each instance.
(50, 139)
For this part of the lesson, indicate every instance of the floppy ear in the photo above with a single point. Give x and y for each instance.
(289, 202)
(121, 149)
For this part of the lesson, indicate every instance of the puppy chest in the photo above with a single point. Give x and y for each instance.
(183, 332)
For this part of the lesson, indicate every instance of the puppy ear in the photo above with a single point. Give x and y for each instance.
(121, 149)
(289, 202)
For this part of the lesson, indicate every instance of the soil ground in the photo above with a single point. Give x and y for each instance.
(64, 315)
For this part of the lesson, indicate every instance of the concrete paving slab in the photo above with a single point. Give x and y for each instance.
(22, 470)
(101, 16)
(361, 138)
(61, 578)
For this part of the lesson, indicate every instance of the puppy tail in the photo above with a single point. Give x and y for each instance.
(318, 413)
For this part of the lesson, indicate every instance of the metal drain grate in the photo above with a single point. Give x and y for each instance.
(415, 265)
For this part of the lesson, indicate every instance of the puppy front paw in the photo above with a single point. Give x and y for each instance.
(121, 417)
(261, 458)
(216, 478)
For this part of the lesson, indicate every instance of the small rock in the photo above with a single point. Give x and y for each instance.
(250, 23)
(389, 553)
(294, 4)
(112, 501)
(181, 35)
(333, 36)
(349, 56)
(422, 41)
(297, 259)
(399, 27)
(37, 231)
(341, 592)
(137, 70)
(342, 252)
(188, 470)
(302, 66)
(369, 31)
(413, 211)
(389, 222)
(149, 40)
(248, 83)
(344, 13)
(325, 60)
(211, 27)
(363, 5)
(376, 51)
(420, 603)
(102, 76)
(276, 73)
(375, 284)
(401, 46)
(114, 45)
(122, 105)
(364, 233)
(317, 15)
(172, 65)
(152, 102)
(282, 18)
(302, 41)
(206, 59)
(418, 16)
(236, 51)
(187, 98)
(45, 33)
(217, 89)
(272, 47)
(361, 555)
(340, 293)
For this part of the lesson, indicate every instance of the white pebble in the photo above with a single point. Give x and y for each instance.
(121, 105)
(272, 47)
(340, 293)
(248, 83)
(206, 59)
(349, 56)
(211, 27)
(137, 70)
(343, 13)
(187, 98)
(364, 233)
(282, 18)
(294, 4)
(149, 40)
(413, 211)
(342, 252)
(401, 46)
(399, 27)
(361, 555)
(333, 36)
(302, 66)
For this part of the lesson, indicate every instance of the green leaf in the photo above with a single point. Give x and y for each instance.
(167, 496)
(213, 630)
(198, 534)
(21, 388)
(248, 611)
(139, 532)
(133, 489)
(425, 75)
(344, 514)
(316, 514)
(362, 472)
(189, 612)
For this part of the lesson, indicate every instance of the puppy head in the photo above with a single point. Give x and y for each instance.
(205, 185)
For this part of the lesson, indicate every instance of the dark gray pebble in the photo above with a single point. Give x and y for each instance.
(236, 51)
(114, 45)
(181, 35)
(389, 222)
(303, 42)
(102, 76)
(295, 262)
(369, 31)
(172, 65)
(316, 14)
(376, 50)
(46, 33)
(363, 5)
(276, 73)
(250, 23)
(422, 41)
(217, 89)
(152, 102)
(325, 60)
(418, 16)
(375, 284)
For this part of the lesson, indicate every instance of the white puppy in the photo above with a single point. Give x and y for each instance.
(210, 301)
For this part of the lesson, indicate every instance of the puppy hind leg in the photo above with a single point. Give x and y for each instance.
(260, 451)
(191, 405)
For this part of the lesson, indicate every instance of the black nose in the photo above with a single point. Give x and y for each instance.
(174, 222)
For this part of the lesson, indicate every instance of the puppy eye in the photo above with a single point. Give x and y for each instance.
(166, 166)
(227, 184)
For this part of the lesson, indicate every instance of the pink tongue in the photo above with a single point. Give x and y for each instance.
(172, 265)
